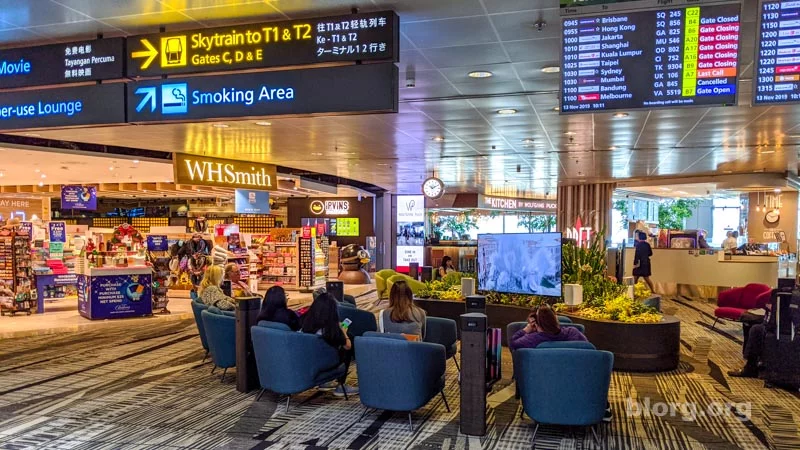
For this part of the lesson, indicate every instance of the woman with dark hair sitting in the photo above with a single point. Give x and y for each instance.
(274, 309)
(543, 326)
(402, 316)
(322, 319)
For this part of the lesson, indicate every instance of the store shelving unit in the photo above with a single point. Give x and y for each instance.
(280, 264)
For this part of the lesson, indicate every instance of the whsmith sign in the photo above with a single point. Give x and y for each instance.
(204, 171)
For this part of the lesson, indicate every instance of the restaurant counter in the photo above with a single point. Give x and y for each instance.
(115, 292)
(699, 273)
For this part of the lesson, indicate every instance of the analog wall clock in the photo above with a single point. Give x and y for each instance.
(433, 188)
(772, 217)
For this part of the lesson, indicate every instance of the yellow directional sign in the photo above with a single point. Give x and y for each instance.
(173, 51)
(150, 53)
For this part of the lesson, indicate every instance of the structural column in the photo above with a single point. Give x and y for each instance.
(589, 202)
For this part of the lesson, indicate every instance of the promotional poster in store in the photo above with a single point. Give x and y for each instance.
(251, 202)
(79, 197)
(58, 231)
(119, 296)
(157, 242)
(410, 230)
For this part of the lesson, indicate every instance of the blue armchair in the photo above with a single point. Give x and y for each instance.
(221, 336)
(551, 398)
(197, 309)
(289, 362)
(445, 332)
(363, 321)
(406, 381)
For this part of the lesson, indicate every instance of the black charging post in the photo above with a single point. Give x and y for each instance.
(473, 373)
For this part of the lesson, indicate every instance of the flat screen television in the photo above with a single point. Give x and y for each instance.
(524, 263)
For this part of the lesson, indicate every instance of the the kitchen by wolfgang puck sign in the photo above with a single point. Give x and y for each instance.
(205, 171)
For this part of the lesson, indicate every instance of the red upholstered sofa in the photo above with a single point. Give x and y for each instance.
(735, 302)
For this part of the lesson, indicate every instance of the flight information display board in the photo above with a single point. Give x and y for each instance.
(355, 37)
(777, 71)
(668, 57)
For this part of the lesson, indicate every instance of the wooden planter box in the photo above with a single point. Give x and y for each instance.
(637, 347)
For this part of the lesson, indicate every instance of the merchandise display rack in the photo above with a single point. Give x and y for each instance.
(280, 264)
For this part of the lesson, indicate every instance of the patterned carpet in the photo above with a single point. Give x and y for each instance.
(146, 388)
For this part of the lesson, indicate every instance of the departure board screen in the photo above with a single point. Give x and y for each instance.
(777, 75)
(674, 57)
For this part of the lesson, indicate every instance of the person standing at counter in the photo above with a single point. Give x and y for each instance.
(730, 242)
(641, 260)
(446, 267)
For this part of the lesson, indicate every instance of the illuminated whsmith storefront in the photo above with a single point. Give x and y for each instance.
(454, 222)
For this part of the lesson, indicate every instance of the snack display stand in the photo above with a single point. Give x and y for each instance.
(115, 292)
(15, 273)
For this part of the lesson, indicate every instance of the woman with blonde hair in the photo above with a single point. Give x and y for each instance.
(210, 291)
(402, 316)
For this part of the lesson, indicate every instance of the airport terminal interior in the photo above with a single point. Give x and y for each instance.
(399, 224)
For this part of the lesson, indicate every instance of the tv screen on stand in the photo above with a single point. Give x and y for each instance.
(528, 263)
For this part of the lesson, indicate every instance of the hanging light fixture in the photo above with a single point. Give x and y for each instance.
(757, 201)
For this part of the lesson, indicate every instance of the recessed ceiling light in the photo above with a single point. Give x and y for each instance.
(766, 152)
(527, 141)
(438, 139)
(41, 183)
(777, 190)
(382, 164)
(569, 133)
(44, 176)
(556, 109)
(619, 115)
(316, 154)
(263, 124)
(2, 174)
(506, 111)
(665, 189)
(613, 147)
(136, 161)
(727, 171)
(551, 69)
(480, 74)
(33, 135)
(220, 125)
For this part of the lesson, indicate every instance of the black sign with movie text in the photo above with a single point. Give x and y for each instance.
(100, 59)
(357, 37)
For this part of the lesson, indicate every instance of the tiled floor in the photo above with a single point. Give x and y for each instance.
(140, 386)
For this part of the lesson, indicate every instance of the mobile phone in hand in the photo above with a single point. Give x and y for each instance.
(346, 323)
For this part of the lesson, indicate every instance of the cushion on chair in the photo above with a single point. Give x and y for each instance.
(729, 312)
(564, 319)
(274, 325)
(567, 344)
(762, 299)
(378, 334)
